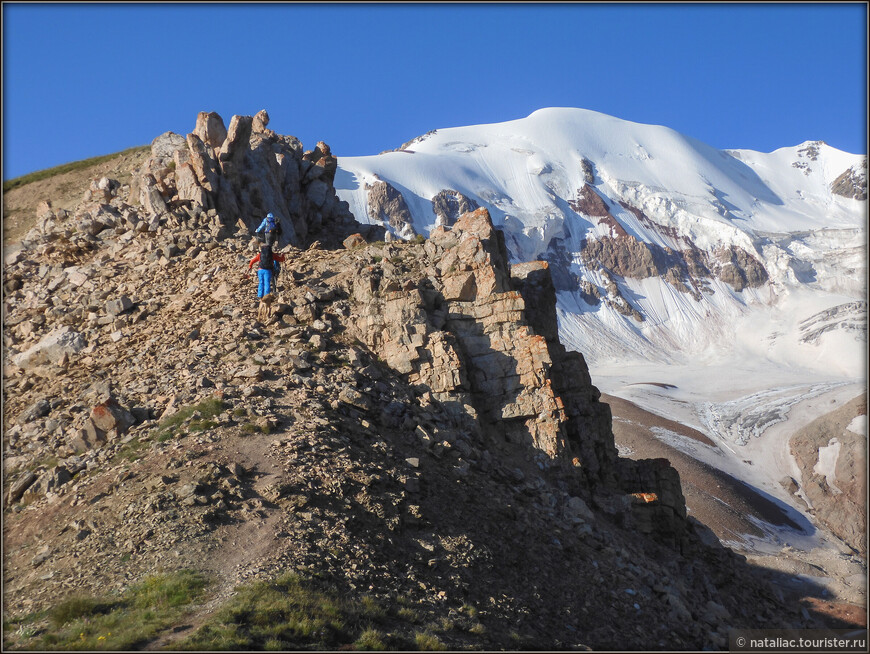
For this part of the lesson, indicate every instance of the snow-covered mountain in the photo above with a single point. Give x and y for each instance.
(663, 249)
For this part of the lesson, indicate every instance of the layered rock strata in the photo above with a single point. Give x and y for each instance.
(481, 336)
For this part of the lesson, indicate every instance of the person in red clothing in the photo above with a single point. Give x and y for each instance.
(268, 270)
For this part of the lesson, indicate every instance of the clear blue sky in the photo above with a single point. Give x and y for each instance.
(81, 80)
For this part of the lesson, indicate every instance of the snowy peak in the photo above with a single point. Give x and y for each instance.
(651, 235)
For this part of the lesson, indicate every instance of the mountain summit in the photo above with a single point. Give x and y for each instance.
(660, 246)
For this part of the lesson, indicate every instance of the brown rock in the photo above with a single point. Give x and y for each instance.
(109, 415)
(354, 241)
(210, 129)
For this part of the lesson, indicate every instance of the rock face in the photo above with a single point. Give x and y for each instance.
(448, 205)
(687, 270)
(852, 183)
(231, 177)
(833, 462)
(473, 332)
(387, 205)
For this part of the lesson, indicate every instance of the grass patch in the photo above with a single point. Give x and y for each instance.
(124, 622)
(254, 428)
(428, 642)
(469, 610)
(288, 614)
(202, 414)
(408, 615)
(371, 639)
(131, 450)
(477, 629)
(202, 425)
(40, 175)
(76, 608)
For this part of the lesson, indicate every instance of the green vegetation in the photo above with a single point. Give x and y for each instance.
(252, 427)
(124, 622)
(289, 614)
(40, 175)
(131, 450)
(202, 414)
(419, 238)
(469, 610)
(371, 639)
(428, 642)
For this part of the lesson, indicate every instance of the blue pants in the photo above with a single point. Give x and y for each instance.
(264, 277)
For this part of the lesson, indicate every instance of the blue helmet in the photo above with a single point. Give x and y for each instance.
(270, 215)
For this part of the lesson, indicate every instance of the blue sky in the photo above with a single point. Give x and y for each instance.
(82, 80)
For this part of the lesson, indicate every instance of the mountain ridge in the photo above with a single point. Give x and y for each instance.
(406, 424)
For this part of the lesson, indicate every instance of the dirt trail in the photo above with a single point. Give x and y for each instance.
(243, 544)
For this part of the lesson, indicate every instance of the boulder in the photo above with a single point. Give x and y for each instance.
(20, 485)
(110, 416)
(119, 305)
(39, 409)
(60, 342)
(165, 145)
(354, 241)
(87, 438)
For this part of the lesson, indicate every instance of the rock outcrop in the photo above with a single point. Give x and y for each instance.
(687, 270)
(230, 177)
(852, 183)
(833, 461)
(448, 205)
(472, 332)
(387, 205)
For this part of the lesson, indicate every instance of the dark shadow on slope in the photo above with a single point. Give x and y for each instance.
(345, 180)
(739, 172)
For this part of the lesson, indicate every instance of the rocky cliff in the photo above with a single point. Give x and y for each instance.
(407, 423)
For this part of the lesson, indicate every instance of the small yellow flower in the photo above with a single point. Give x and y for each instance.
(101, 638)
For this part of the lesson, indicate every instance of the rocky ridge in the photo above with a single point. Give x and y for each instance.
(407, 423)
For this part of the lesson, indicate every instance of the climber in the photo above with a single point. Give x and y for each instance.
(268, 269)
(270, 227)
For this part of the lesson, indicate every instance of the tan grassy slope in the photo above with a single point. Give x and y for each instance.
(63, 186)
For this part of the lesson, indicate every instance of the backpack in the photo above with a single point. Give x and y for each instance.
(271, 224)
(266, 260)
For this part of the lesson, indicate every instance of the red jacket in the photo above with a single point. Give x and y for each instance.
(277, 256)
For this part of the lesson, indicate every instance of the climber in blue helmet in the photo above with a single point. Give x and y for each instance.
(270, 227)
